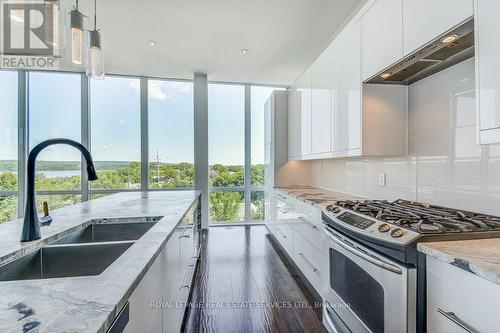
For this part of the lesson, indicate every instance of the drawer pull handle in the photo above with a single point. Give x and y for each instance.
(185, 236)
(283, 210)
(453, 317)
(281, 233)
(314, 269)
(303, 219)
(281, 196)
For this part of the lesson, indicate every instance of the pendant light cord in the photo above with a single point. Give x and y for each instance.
(95, 15)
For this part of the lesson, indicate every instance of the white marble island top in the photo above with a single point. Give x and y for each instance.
(88, 303)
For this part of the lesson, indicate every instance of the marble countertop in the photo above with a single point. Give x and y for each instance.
(89, 303)
(480, 256)
(477, 256)
(317, 196)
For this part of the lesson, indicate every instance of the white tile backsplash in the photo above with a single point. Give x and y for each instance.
(445, 165)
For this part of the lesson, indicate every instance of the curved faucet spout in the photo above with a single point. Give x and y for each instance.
(31, 224)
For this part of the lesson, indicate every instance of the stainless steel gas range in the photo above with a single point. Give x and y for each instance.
(376, 277)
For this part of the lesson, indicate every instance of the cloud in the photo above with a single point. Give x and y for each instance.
(156, 90)
(163, 90)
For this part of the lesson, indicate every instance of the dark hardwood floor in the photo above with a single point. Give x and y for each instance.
(243, 285)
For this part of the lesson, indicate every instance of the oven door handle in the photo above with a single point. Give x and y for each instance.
(371, 259)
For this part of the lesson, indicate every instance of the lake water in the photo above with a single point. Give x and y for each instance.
(65, 173)
(62, 173)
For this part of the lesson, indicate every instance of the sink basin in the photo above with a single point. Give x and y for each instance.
(56, 261)
(108, 232)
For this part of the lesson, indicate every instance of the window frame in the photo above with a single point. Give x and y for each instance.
(85, 191)
(247, 188)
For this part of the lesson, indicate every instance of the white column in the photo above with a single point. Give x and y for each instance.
(200, 92)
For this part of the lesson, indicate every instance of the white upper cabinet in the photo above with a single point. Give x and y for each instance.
(294, 127)
(382, 36)
(305, 92)
(321, 109)
(424, 20)
(487, 27)
(346, 89)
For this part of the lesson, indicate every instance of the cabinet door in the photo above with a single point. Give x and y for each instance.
(320, 99)
(147, 292)
(454, 294)
(294, 128)
(488, 70)
(424, 20)
(304, 91)
(346, 89)
(382, 36)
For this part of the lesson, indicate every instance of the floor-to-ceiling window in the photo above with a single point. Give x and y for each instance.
(171, 134)
(226, 152)
(54, 108)
(129, 124)
(106, 116)
(8, 145)
(236, 120)
(115, 133)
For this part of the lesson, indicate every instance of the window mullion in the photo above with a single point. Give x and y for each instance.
(248, 152)
(85, 133)
(144, 134)
(22, 139)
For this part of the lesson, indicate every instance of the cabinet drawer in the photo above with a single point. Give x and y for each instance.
(284, 210)
(308, 259)
(455, 296)
(309, 230)
(283, 232)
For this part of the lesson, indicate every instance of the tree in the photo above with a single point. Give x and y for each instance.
(225, 206)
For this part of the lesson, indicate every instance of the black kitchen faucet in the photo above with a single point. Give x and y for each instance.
(31, 224)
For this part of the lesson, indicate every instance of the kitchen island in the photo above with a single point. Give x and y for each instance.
(89, 303)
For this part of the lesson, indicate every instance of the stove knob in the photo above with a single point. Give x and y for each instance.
(332, 208)
(384, 227)
(397, 233)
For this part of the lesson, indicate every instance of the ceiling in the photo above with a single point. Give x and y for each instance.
(283, 36)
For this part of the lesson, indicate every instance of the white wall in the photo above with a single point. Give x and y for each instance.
(445, 166)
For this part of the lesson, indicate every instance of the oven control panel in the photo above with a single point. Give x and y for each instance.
(370, 226)
(355, 220)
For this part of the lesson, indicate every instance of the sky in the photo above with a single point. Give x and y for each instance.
(54, 111)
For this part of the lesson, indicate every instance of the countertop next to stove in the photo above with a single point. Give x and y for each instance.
(317, 196)
(478, 256)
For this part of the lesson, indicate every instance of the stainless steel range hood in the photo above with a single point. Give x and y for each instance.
(447, 50)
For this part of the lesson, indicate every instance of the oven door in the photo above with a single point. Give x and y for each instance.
(366, 292)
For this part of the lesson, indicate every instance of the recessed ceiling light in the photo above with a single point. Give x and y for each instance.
(385, 75)
(152, 43)
(245, 51)
(449, 38)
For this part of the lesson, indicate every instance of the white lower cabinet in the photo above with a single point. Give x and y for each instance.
(308, 258)
(459, 301)
(147, 292)
(159, 301)
(300, 235)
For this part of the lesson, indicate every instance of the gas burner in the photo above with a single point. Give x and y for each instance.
(422, 218)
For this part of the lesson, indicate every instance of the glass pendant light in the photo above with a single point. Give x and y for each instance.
(76, 35)
(95, 58)
(52, 33)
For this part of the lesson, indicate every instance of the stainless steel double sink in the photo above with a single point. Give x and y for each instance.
(88, 251)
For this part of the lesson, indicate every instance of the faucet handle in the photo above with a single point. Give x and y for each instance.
(45, 209)
(46, 220)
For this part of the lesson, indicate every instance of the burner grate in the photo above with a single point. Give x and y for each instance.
(423, 218)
